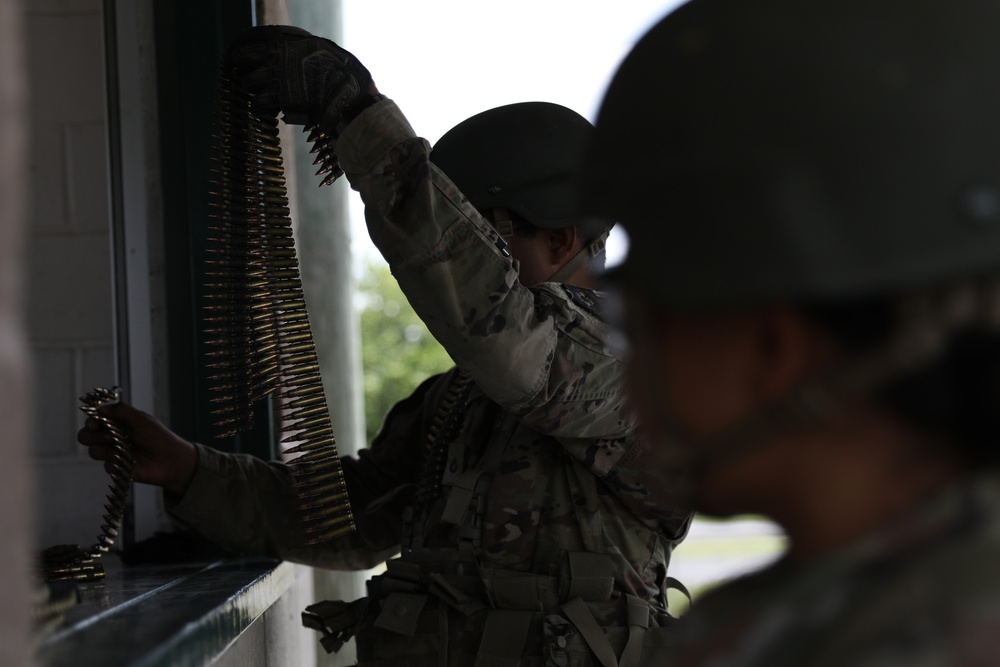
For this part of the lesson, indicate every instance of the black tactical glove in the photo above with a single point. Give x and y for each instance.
(311, 79)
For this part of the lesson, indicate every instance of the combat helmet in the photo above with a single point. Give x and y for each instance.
(781, 150)
(523, 160)
(810, 152)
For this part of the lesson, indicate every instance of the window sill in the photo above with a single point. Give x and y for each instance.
(153, 615)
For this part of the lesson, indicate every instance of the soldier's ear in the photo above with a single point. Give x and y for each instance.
(562, 244)
(791, 349)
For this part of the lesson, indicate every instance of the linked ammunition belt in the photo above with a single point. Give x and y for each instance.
(256, 310)
(69, 561)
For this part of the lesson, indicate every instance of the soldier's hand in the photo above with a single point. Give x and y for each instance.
(310, 79)
(161, 456)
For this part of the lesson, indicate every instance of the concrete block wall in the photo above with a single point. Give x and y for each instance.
(68, 262)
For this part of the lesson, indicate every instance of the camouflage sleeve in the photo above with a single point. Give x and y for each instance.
(535, 352)
(249, 505)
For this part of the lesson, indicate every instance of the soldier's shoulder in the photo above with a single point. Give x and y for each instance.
(586, 299)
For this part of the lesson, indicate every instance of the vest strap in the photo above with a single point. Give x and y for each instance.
(638, 623)
(504, 638)
(576, 611)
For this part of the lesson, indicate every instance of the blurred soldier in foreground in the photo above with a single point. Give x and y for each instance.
(812, 305)
(531, 524)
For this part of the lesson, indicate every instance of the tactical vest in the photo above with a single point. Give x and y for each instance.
(437, 607)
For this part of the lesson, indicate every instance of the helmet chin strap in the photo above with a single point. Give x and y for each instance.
(503, 224)
(505, 228)
(591, 250)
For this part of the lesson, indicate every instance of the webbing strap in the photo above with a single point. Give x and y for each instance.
(577, 612)
(462, 488)
(462, 602)
(638, 622)
(503, 224)
(579, 259)
(516, 593)
(504, 638)
(508, 589)
(677, 585)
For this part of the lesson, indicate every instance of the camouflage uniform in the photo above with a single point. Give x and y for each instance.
(922, 591)
(537, 504)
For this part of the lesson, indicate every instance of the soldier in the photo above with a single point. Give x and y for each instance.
(531, 526)
(812, 305)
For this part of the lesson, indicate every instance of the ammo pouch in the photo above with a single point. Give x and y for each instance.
(451, 612)
(578, 633)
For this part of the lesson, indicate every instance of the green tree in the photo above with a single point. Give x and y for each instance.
(397, 350)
